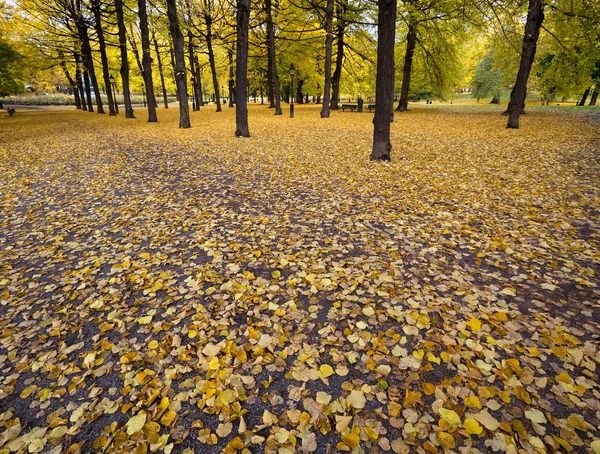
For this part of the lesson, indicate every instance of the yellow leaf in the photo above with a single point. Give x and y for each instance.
(352, 440)
(152, 344)
(446, 440)
(214, 363)
(168, 418)
(450, 416)
(136, 423)
(357, 399)
(323, 398)
(473, 402)
(325, 371)
(472, 426)
(474, 324)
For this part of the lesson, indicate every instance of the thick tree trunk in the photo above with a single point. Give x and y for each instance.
(88, 61)
(88, 91)
(211, 61)
(103, 58)
(241, 69)
(192, 60)
(231, 81)
(535, 17)
(411, 43)
(384, 90)
(593, 98)
(274, 91)
(328, 57)
(124, 70)
(147, 61)
(160, 71)
(584, 97)
(337, 73)
(78, 76)
(180, 76)
(299, 97)
(198, 79)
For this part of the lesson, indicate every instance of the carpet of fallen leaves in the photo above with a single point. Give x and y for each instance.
(166, 290)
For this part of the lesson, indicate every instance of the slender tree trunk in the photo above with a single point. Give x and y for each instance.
(72, 83)
(593, 98)
(88, 91)
(384, 90)
(172, 56)
(78, 76)
(180, 76)
(89, 61)
(198, 79)
(535, 17)
(147, 61)
(192, 59)
(231, 83)
(103, 58)
(328, 57)
(124, 70)
(270, 96)
(241, 69)
(160, 70)
(584, 97)
(299, 97)
(211, 61)
(337, 73)
(274, 90)
(411, 43)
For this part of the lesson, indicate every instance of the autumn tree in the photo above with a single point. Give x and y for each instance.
(178, 51)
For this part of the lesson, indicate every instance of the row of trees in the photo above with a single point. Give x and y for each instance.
(177, 42)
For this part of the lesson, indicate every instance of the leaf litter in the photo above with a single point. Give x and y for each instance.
(164, 290)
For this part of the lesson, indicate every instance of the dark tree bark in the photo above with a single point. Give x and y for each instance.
(593, 98)
(72, 83)
(88, 61)
(192, 60)
(78, 76)
(211, 60)
(179, 56)
(241, 69)
(299, 97)
(88, 91)
(535, 17)
(411, 43)
(328, 57)
(274, 91)
(172, 56)
(339, 61)
(384, 90)
(124, 70)
(198, 80)
(584, 97)
(103, 58)
(231, 83)
(147, 61)
(495, 100)
(160, 71)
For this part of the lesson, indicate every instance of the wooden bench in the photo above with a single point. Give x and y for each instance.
(351, 107)
(371, 107)
(11, 111)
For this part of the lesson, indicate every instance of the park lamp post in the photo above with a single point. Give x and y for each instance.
(292, 73)
(113, 85)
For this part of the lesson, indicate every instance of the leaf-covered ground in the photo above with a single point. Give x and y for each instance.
(166, 290)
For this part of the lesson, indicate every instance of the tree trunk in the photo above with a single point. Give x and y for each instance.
(584, 97)
(88, 61)
(72, 83)
(328, 57)
(180, 76)
(231, 82)
(172, 56)
(103, 58)
(78, 76)
(411, 43)
(88, 91)
(274, 92)
(593, 98)
(124, 70)
(198, 80)
(299, 97)
(241, 69)
(337, 73)
(384, 90)
(147, 61)
(192, 59)
(211, 61)
(495, 100)
(535, 17)
(160, 71)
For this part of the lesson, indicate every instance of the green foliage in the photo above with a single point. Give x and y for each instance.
(487, 81)
(10, 72)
